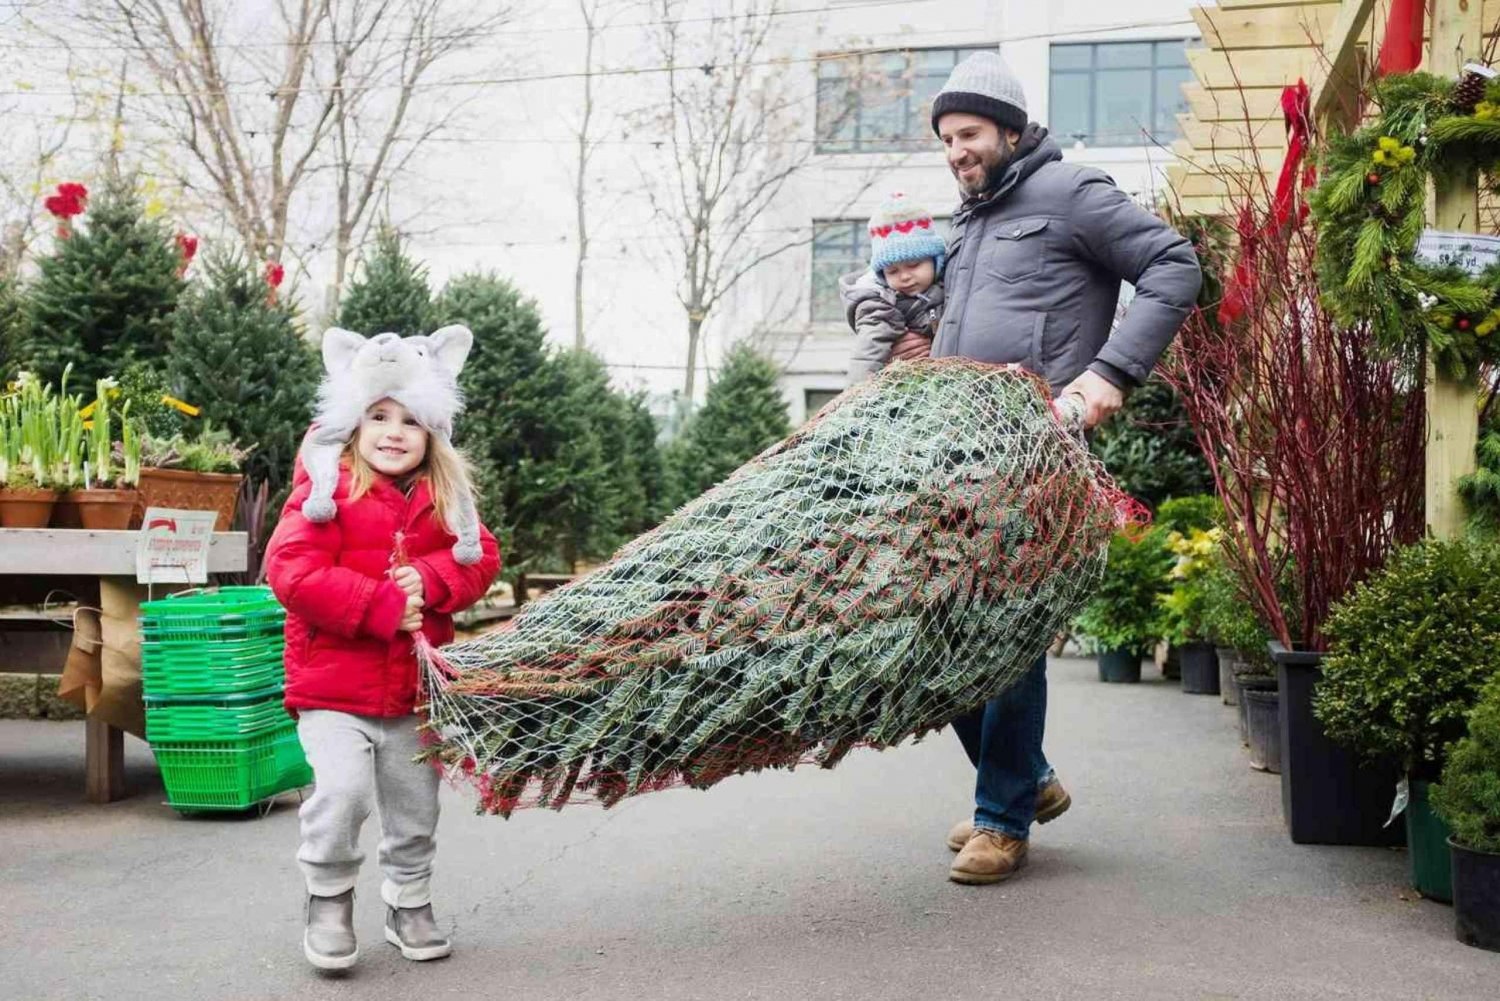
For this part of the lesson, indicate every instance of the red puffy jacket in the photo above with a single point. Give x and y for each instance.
(344, 646)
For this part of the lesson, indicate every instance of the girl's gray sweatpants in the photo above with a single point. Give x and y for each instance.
(359, 762)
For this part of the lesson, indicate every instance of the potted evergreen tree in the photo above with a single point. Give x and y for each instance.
(1410, 651)
(1122, 620)
(1468, 798)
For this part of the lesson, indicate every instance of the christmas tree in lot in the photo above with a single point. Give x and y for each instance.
(390, 295)
(894, 563)
(238, 356)
(742, 413)
(105, 295)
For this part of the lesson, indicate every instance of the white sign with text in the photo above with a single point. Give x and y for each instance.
(1469, 251)
(173, 546)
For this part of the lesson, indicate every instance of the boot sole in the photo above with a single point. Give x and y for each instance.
(322, 962)
(984, 878)
(1041, 818)
(421, 955)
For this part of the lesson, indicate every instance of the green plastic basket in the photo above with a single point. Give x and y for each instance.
(214, 718)
(232, 774)
(212, 614)
(171, 670)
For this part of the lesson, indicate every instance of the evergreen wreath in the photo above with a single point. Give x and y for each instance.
(1370, 206)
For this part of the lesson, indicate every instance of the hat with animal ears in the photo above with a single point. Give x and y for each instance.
(421, 374)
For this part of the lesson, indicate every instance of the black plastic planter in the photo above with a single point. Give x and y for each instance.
(1263, 726)
(1247, 682)
(1200, 669)
(1328, 796)
(1476, 897)
(1228, 690)
(1119, 666)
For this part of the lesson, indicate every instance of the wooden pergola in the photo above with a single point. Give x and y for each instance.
(1235, 130)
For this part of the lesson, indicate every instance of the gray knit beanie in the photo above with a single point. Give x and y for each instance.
(983, 85)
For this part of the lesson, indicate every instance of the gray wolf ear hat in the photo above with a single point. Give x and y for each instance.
(421, 374)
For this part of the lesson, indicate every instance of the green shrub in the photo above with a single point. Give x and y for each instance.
(1468, 797)
(1229, 616)
(1410, 649)
(1183, 514)
(1124, 613)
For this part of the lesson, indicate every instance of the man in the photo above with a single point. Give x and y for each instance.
(1035, 260)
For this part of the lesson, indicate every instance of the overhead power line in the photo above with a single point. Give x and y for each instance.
(615, 72)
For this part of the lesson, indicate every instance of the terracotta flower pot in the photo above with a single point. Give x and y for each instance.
(26, 507)
(190, 491)
(104, 509)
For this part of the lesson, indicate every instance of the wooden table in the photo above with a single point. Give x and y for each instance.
(33, 552)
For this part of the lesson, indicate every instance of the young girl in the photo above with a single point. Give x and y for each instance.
(360, 571)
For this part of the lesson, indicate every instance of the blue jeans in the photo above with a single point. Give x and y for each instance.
(1003, 739)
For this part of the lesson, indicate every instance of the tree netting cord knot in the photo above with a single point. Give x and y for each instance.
(903, 557)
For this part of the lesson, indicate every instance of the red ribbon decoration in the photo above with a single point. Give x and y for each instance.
(1402, 49)
(1295, 175)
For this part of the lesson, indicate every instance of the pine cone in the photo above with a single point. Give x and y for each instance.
(1469, 92)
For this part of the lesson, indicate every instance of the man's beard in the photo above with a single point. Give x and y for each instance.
(992, 174)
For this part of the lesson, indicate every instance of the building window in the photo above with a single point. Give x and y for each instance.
(879, 102)
(1118, 93)
(840, 246)
(817, 399)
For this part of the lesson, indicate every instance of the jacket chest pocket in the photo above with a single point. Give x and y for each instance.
(1015, 249)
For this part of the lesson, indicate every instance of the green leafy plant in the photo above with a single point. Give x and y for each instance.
(1184, 617)
(1468, 797)
(212, 451)
(1124, 612)
(1481, 488)
(1183, 514)
(41, 435)
(1410, 650)
(1149, 447)
(1229, 616)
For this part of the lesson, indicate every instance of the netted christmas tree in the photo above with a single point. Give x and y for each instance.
(895, 562)
(390, 294)
(238, 356)
(105, 296)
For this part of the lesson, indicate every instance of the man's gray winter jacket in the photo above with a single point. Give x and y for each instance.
(1034, 269)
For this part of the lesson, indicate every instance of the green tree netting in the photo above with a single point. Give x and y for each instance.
(901, 558)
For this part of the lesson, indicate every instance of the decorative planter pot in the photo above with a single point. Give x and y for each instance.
(26, 507)
(1229, 659)
(1263, 728)
(1328, 796)
(1476, 897)
(1245, 682)
(1171, 667)
(1427, 846)
(187, 490)
(1119, 666)
(100, 510)
(1200, 669)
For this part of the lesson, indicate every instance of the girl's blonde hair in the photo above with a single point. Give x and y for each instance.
(445, 468)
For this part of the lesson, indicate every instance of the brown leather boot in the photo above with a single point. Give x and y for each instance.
(989, 857)
(1052, 801)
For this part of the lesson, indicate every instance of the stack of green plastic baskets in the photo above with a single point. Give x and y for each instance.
(212, 674)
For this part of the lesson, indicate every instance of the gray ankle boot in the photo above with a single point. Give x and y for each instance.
(328, 943)
(414, 931)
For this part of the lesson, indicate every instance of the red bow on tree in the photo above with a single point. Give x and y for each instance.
(187, 248)
(70, 200)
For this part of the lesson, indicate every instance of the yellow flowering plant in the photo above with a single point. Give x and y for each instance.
(1184, 606)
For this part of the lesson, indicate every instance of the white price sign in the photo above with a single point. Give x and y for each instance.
(1469, 251)
(173, 546)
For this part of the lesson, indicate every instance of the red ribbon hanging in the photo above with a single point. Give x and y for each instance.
(1402, 49)
(1295, 176)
